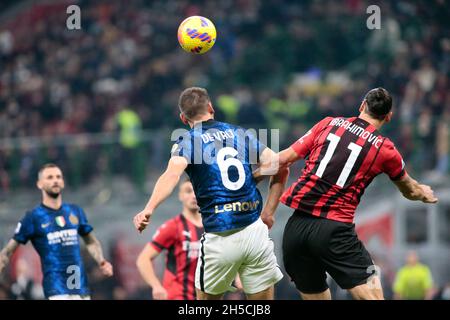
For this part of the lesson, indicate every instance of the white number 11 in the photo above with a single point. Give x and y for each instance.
(355, 151)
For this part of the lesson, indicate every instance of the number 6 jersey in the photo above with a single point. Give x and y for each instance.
(343, 156)
(220, 158)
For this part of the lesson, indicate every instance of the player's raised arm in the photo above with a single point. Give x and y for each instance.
(94, 248)
(144, 264)
(7, 252)
(163, 189)
(412, 190)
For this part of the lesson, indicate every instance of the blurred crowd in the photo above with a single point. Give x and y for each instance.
(276, 64)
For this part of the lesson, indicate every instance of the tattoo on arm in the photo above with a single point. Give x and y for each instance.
(7, 252)
(94, 247)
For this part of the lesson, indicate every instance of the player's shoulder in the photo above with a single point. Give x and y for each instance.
(31, 213)
(328, 120)
(172, 222)
(388, 145)
(388, 149)
(73, 208)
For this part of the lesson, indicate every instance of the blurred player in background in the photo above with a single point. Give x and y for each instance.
(236, 241)
(180, 236)
(53, 228)
(343, 156)
(414, 280)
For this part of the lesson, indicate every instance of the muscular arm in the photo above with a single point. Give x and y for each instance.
(271, 162)
(276, 188)
(163, 189)
(7, 252)
(94, 247)
(412, 190)
(144, 264)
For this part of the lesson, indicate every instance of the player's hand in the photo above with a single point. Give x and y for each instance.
(141, 220)
(159, 293)
(428, 194)
(268, 219)
(106, 268)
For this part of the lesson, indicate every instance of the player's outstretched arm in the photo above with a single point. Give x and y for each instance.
(276, 188)
(412, 190)
(271, 162)
(95, 250)
(163, 189)
(144, 264)
(267, 166)
(7, 252)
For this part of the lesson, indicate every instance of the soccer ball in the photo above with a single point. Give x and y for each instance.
(196, 34)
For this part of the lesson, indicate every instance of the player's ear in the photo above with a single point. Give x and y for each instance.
(388, 117)
(210, 108)
(183, 119)
(39, 184)
(362, 106)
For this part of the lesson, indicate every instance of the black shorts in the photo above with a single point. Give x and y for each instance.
(314, 245)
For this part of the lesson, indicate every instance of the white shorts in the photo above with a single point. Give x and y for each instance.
(70, 297)
(247, 252)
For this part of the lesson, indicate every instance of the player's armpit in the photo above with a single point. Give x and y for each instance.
(412, 190)
(7, 252)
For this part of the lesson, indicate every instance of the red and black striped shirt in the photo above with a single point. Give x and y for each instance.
(181, 239)
(343, 156)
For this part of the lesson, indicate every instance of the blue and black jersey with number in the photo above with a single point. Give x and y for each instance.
(220, 157)
(54, 235)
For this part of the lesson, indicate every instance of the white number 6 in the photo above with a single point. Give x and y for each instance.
(224, 164)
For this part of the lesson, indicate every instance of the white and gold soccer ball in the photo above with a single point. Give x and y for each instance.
(197, 34)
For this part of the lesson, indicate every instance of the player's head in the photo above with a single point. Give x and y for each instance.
(194, 104)
(187, 196)
(412, 258)
(377, 104)
(50, 180)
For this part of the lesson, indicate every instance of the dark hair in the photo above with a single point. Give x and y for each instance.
(379, 103)
(45, 166)
(193, 102)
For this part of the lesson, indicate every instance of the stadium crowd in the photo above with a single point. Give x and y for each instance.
(276, 64)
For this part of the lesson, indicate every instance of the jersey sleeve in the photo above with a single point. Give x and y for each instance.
(25, 229)
(165, 236)
(393, 164)
(304, 145)
(183, 147)
(84, 227)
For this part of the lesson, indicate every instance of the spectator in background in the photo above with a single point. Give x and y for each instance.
(413, 281)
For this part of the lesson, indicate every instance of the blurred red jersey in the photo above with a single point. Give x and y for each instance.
(343, 156)
(181, 239)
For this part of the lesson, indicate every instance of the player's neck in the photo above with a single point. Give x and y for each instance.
(193, 217)
(206, 117)
(53, 203)
(376, 123)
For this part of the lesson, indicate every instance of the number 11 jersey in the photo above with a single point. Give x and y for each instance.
(220, 158)
(343, 156)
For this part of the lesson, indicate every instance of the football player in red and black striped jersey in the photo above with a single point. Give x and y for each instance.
(180, 236)
(343, 156)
